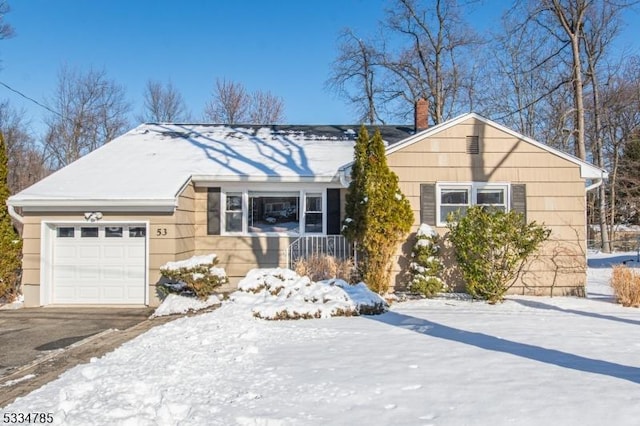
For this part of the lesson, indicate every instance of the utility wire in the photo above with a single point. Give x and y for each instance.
(31, 99)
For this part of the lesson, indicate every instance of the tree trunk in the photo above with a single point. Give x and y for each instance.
(578, 100)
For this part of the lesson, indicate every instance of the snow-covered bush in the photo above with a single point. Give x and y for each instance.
(323, 267)
(279, 294)
(176, 304)
(626, 286)
(426, 266)
(198, 276)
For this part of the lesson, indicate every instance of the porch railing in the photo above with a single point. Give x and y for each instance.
(317, 245)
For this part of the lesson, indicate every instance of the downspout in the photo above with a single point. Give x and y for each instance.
(14, 214)
(596, 184)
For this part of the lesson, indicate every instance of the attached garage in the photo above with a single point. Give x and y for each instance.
(102, 264)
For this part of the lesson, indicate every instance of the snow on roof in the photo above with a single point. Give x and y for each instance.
(149, 165)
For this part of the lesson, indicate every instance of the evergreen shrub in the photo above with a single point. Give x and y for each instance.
(426, 266)
(491, 247)
(198, 276)
(10, 242)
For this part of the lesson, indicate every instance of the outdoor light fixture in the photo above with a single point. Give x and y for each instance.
(92, 216)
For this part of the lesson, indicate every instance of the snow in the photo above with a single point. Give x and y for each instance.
(161, 158)
(426, 231)
(192, 262)
(9, 383)
(176, 304)
(280, 293)
(528, 361)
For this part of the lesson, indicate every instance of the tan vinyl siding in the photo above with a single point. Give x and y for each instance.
(171, 237)
(555, 195)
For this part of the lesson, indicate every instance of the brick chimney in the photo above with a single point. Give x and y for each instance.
(421, 115)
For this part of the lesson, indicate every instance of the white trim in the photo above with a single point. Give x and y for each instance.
(47, 236)
(203, 180)
(182, 188)
(473, 188)
(46, 266)
(44, 205)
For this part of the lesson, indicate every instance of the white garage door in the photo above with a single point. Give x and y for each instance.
(99, 264)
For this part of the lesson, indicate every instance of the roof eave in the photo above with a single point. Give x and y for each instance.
(276, 179)
(588, 171)
(50, 205)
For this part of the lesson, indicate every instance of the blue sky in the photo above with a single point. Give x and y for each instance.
(284, 46)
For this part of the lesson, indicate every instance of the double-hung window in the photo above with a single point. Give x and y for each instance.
(492, 197)
(456, 197)
(233, 212)
(313, 213)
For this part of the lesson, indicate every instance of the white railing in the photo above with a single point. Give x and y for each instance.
(317, 245)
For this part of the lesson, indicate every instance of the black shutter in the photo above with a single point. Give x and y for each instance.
(333, 211)
(428, 203)
(519, 198)
(213, 211)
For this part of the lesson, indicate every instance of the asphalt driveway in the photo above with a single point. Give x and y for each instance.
(30, 333)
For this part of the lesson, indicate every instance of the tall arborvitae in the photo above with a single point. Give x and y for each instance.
(355, 208)
(10, 243)
(378, 214)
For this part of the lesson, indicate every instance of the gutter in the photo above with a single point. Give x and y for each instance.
(121, 205)
(273, 179)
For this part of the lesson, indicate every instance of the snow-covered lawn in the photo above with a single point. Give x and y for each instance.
(528, 361)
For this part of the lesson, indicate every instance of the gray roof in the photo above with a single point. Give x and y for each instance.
(390, 133)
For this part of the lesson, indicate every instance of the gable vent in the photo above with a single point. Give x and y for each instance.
(473, 145)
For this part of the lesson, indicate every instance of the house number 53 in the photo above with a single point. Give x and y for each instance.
(161, 232)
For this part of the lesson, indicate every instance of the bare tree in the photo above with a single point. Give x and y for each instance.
(565, 21)
(354, 76)
(432, 63)
(232, 104)
(602, 24)
(570, 15)
(523, 81)
(90, 111)
(25, 158)
(266, 108)
(163, 104)
(6, 30)
(621, 115)
(426, 52)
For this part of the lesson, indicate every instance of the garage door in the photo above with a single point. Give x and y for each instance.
(99, 264)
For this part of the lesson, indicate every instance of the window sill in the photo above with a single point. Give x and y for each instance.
(270, 234)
